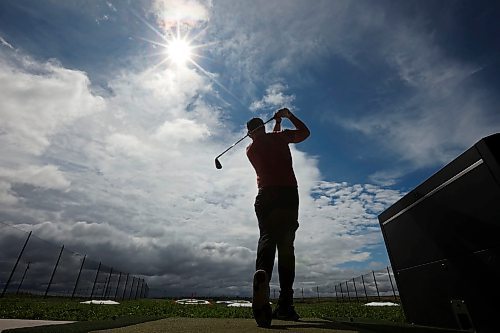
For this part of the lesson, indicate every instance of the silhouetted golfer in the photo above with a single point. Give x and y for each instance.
(277, 208)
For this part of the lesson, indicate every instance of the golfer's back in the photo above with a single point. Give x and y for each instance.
(272, 160)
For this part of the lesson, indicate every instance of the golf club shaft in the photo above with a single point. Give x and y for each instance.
(234, 144)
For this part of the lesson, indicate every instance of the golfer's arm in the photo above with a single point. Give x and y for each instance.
(301, 130)
(277, 126)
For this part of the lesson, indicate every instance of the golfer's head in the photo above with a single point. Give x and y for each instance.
(255, 126)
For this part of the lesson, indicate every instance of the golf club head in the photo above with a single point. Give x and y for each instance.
(217, 164)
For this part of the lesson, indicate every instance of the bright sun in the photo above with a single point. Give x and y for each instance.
(179, 51)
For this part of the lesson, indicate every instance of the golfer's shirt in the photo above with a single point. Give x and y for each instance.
(272, 160)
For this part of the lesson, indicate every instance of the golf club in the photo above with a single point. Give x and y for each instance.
(218, 165)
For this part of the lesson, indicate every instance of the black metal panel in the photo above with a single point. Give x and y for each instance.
(489, 149)
(461, 218)
(427, 291)
(443, 240)
(468, 158)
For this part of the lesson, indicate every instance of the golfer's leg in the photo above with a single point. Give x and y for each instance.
(261, 308)
(286, 265)
(266, 251)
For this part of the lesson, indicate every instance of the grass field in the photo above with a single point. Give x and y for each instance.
(150, 309)
(67, 309)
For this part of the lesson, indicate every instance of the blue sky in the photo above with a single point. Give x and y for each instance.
(103, 139)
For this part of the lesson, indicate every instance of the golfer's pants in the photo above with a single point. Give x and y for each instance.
(277, 213)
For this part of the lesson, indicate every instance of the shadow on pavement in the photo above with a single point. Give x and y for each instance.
(359, 327)
(316, 324)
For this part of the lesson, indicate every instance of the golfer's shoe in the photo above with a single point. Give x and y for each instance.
(286, 313)
(262, 311)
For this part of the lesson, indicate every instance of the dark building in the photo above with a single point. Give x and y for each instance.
(443, 242)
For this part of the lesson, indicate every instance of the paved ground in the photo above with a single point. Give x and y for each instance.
(18, 323)
(216, 325)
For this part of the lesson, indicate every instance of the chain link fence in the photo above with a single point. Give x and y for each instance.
(376, 285)
(31, 265)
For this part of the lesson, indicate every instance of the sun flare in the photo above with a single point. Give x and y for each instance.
(179, 51)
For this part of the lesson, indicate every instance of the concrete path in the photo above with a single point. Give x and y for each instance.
(18, 323)
(216, 325)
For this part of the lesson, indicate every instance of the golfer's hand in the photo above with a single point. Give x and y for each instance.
(282, 113)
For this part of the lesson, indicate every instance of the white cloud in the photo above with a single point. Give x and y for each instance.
(182, 130)
(272, 39)
(38, 100)
(274, 98)
(7, 197)
(443, 113)
(5, 43)
(128, 145)
(434, 125)
(386, 177)
(185, 12)
(338, 225)
(47, 176)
